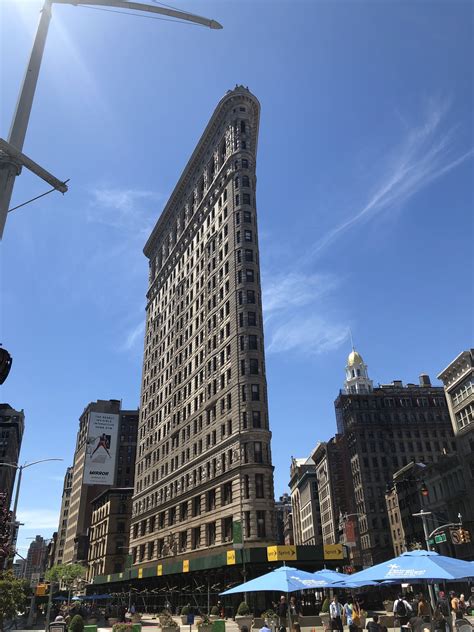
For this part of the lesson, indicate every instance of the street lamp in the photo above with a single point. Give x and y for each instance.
(11, 157)
(20, 469)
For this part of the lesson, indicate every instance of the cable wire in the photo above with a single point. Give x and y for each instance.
(138, 15)
(36, 198)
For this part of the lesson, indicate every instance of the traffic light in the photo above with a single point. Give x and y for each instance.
(465, 536)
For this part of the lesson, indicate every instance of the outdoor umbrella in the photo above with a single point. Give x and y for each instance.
(284, 579)
(416, 566)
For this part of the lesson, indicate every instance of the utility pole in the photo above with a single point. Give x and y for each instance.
(424, 516)
(11, 157)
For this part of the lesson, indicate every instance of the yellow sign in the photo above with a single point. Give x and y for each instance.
(41, 590)
(108, 578)
(333, 552)
(140, 573)
(230, 557)
(185, 566)
(159, 569)
(280, 553)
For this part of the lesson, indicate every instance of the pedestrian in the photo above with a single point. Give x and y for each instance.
(335, 614)
(402, 611)
(375, 626)
(282, 611)
(424, 609)
(463, 604)
(444, 610)
(439, 621)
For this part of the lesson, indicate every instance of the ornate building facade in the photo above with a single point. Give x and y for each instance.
(204, 460)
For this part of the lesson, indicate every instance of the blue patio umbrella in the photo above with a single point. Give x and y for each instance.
(284, 579)
(416, 566)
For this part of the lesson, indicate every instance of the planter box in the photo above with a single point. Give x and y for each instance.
(244, 621)
(184, 619)
(207, 627)
(170, 628)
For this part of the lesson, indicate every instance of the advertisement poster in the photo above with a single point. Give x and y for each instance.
(101, 449)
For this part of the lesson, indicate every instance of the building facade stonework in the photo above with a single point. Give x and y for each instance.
(305, 502)
(204, 459)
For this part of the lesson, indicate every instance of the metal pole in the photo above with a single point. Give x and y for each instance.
(50, 603)
(8, 169)
(424, 515)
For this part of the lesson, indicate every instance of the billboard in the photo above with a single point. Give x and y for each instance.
(101, 449)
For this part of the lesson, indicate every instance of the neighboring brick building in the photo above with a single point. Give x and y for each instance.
(204, 459)
(109, 532)
(12, 425)
(63, 516)
(83, 488)
(305, 502)
(386, 428)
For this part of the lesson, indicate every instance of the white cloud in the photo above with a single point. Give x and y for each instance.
(134, 336)
(291, 302)
(425, 153)
(39, 518)
(132, 209)
(294, 289)
(311, 334)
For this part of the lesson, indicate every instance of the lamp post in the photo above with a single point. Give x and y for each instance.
(20, 469)
(11, 157)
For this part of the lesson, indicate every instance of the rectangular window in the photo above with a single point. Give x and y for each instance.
(237, 200)
(257, 452)
(245, 181)
(256, 419)
(251, 319)
(255, 389)
(248, 235)
(259, 489)
(249, 276)
(245, 163)
(211, 534)
(227, 529)
(246, 198)
(253, 366)
(211, 500)
(261, 528)
(250, 296)
(197, 506)
(196, 537)
(248, 256)
(252, 342)
(183, 541)
(227, 493)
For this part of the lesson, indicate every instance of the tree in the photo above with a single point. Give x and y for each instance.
(13, 595)
(65, 574)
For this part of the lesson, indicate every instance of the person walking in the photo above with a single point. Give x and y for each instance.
(282, 611)
(335, 614)
(424, 609)
(402, 611)
(444, 610)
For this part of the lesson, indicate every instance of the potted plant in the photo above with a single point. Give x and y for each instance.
(324, 614)
(76, 624)
(205, 624)
(243, 618)
(270, 617)
(214, 613)
(184, 615)
(122, 627)
(168, 624)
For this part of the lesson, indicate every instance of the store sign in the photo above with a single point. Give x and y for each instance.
(333, 552)
(185, 566)
(281, 553)
(101, 449)
(230, 557)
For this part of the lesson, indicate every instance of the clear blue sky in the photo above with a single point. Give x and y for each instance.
(365, 202)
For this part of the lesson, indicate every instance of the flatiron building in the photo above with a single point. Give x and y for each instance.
(203, 459)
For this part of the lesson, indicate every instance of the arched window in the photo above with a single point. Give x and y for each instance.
(242, 127)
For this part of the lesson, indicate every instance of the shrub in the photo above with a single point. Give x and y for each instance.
(204, 621)
(325, 607)
(167, 621)
(269, 614)
(184, 611)
(122, 627)
(214, 610)
(77, 624)
(243, 609)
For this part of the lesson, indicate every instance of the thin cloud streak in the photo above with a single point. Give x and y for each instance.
(123, 209)
(290, 303)
(425, 154)
(134, 336)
